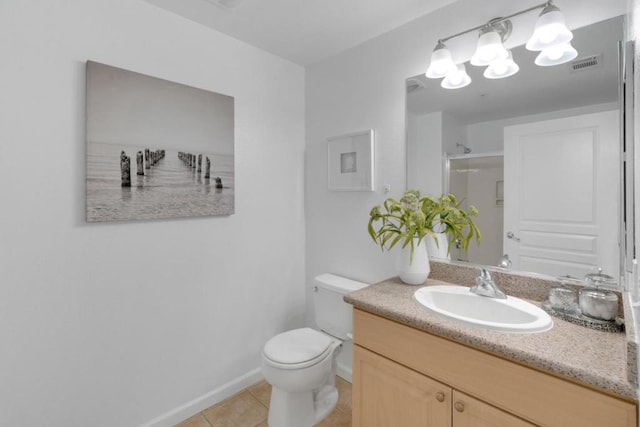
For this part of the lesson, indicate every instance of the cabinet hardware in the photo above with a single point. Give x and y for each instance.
(459, 406)
(440, 396)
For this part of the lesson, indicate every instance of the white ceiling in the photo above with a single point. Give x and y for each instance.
(302, 31)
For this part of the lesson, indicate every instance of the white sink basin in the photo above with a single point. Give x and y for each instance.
(458, 303)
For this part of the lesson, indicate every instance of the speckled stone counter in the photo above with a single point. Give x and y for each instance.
(594, 358)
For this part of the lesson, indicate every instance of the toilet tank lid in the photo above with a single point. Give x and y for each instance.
(338, 284)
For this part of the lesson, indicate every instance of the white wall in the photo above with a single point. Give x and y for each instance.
(117, 324)
(424, 165)
(453, 133)
(489, 136)
(365, 88)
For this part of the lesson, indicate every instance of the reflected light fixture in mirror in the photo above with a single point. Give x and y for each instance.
(556, 55)
(501, 68)
(457, 78)
(551, 37)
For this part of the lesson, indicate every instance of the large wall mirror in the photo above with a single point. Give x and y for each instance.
(538, 154)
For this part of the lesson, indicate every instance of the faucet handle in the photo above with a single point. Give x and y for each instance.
(485, 275)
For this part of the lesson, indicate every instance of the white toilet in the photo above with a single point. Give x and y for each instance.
(301, 364)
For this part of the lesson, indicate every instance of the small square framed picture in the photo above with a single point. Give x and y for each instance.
(350, 165)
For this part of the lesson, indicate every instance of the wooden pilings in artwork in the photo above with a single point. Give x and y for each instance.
(195, 161)
(189, 159)
(144, 160)
(140, 162)
(125, 169)
(155, 157)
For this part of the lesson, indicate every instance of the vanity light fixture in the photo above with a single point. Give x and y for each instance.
(441, 62)
(550, 29)
(489, 47)
(551, 37)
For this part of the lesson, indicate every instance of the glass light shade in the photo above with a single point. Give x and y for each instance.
(441, 62)
(489, 49)
(457, 78)
(501, 68)
(550, 30)
(556, 55)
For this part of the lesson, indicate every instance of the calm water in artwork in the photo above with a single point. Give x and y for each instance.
(169, 189)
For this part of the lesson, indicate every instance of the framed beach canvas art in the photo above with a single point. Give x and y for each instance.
(350, 161)
(156, 149)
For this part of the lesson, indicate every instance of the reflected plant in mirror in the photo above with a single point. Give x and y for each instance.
(451, 224)
(538, 153)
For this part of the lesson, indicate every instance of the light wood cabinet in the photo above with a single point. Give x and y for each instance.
(400, 375)
(389, 394)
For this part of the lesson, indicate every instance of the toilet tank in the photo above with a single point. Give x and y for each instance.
(333, 315)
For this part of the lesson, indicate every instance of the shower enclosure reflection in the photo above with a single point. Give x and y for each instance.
(478, 180)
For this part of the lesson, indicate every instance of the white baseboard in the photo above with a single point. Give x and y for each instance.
(181, 413)
(344, 372)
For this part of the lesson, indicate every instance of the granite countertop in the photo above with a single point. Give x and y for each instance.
(602, 360)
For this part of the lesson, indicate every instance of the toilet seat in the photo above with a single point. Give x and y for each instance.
(297, 349)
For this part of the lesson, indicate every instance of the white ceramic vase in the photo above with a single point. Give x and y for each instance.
(441, 250)
(413, 271)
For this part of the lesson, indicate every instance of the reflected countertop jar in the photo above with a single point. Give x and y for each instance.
(599, 304)
(596, 302)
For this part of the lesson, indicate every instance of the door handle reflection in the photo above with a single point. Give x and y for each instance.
(512, 236)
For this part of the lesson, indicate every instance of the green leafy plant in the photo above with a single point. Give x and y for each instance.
(414, 216)
(445, 215)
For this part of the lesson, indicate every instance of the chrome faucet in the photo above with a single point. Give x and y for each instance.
(504, 261)
(486, 287)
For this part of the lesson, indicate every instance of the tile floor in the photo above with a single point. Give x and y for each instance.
(250, 407)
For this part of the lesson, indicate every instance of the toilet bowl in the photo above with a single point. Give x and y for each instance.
(301, 365)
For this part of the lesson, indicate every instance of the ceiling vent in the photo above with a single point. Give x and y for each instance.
(225, 4)
(586, 63)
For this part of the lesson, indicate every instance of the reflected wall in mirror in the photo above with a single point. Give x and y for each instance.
(538, 154)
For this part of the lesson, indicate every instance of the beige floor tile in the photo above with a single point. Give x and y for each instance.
(249, 409)
(338, 418)
(261, 391)
(241, 410)
(197, 420)
(344, 395)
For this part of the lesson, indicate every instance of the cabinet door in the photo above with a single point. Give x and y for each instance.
(386, 394)
(470, 412)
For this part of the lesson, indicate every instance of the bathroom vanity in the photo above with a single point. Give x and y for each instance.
(414, 368)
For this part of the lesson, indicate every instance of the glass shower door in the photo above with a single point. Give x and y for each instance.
(478, 180)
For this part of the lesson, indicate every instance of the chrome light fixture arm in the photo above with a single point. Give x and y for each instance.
(495, 23)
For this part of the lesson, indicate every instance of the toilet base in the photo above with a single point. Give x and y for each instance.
(302, 409)
(325, 401)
